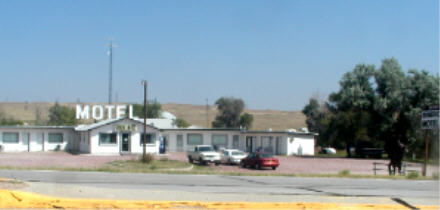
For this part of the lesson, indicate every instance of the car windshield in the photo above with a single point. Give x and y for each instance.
(237, 153)
(266, 155)
(206, 149)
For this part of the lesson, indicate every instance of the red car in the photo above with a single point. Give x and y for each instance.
(259, 160)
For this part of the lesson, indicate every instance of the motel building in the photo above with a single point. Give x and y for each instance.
(124, 136)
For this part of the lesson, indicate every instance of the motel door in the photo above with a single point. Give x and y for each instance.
(37, 142)
(277, 145)
(125, 142)
(249, 142)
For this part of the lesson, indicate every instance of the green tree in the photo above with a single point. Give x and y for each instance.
(351, 106)
(313, 114)
(181, 123)
(153, 110)
(229, 115)
(381, 106)
(246, 120)
(10, 121)
(61, 115)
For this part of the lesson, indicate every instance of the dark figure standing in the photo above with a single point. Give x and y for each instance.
(395, 153)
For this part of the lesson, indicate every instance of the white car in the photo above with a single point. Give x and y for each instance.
(328, 150)
(232, 156)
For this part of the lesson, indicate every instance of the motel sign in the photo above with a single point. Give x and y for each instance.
(98, 112)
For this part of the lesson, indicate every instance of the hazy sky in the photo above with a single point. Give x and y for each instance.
(272, 54)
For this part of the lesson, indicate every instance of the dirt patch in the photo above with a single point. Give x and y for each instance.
(11, 184)
(57, 159)
(308, 165)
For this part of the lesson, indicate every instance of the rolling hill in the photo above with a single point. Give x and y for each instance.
(194, 114)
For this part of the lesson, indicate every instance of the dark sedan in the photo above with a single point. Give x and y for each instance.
(260, 160)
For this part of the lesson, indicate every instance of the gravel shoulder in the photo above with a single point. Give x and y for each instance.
(288, 164)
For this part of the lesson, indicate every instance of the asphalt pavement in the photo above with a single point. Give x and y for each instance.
(166, 187)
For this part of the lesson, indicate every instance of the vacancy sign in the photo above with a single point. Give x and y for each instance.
(430, 119)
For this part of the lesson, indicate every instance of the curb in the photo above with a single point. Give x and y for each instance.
(18, 199)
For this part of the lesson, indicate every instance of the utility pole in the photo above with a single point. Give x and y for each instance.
(144, 140)
(110, 78)
(207, 114)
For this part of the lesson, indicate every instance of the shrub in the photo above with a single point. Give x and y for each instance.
(345, 172)
(413, 175)
(153, 167)
(148, 158)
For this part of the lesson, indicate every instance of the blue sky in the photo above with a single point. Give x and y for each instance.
(272, 54)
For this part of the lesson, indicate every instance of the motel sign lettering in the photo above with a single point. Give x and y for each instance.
(98, 112)
(131, 127)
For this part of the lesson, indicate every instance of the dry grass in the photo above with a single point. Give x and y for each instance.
(194, 114)
(263, 119)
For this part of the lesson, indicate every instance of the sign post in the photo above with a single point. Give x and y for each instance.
(429, 122)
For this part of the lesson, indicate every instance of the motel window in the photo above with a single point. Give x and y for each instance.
(179, 141)
(10, 138)
(151, 137)
(219, 141)
(107, 138)
(194, 139)
(55, 138)
(235, 141)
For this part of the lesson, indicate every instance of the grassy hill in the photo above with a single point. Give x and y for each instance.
(194, 114)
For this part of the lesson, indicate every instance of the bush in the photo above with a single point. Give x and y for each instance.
(148, 158)
(413, 175)
(345, 172)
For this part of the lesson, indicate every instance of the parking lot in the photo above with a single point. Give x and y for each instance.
(288, 164)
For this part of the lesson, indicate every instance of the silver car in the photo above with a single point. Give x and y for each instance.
(232, 156)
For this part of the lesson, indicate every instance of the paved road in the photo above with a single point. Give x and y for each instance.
(226, 188)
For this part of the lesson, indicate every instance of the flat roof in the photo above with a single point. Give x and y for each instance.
(38, 126)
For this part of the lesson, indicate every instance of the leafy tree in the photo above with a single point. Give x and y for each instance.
(229, 116)
(10, 121)
(153, 110)
(246, 120)
(313, 115)
(181, 123)
(351, 106)
(381, 106)
(61, 115)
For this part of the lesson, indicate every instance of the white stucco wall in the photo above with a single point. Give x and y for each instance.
(306, 143)
(134, 147)
(206, 135)
(38, 139)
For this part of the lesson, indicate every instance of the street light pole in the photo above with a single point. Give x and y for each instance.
(144, 140)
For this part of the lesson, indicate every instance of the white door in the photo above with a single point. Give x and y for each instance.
(25, 140)
(37, 142)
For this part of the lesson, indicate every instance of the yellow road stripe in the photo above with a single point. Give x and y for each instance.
(18, 199)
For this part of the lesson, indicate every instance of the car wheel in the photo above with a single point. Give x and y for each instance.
(257, 166)
(217, 163)
(273, 167)
(242, 165)
(201, 162)
(190, 160)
